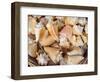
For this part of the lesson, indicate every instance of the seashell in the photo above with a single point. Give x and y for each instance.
(74, 59)
(53, 53)
(76, 41)
(76, 51)
(71, 20)
(32, 48)
(77, 29)
(31, 24)
(82, 20)
(42, 59)
(66, 32)
(45, 39)
(37, 29)
(64, 42)
(53, 30)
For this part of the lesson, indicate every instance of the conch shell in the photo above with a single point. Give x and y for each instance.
(31, 24)
(53, 53)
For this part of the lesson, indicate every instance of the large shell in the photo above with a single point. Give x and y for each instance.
(45, 39)
(53, 53)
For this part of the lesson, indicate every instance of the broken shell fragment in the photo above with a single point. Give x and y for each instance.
(53, 53)
(38, 28)
(64, 42)
(53, 30)
(32, 48)
(46, 39)
(82, 20)
(76, 51)
(74, 59)
(71, 20)
(77, 29)
(76, 41)
(42, 59)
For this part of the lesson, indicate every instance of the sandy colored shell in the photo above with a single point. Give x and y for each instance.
(53, 30)
(32, 48)
(74, 59)
(76, 51)
(77, 29)
(71, 20)
(76, 41)
(53, 53)
(45, 39)
(31, 24)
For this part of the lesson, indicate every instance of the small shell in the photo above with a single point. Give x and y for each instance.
(82, 20)
(31, 24)
(86, 29)
(74, 59)
(71, 20)
(53, 53)
(64, 42)
(76, 41)
(32, 48)
(42, 59)
(79, 41)
(76, 51)
(77, 29)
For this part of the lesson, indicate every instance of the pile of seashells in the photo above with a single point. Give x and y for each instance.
(57, 40)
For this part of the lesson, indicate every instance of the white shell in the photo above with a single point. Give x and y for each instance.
(42, 59)
(82, 20)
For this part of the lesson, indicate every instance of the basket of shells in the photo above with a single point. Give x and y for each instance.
(57, 40)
